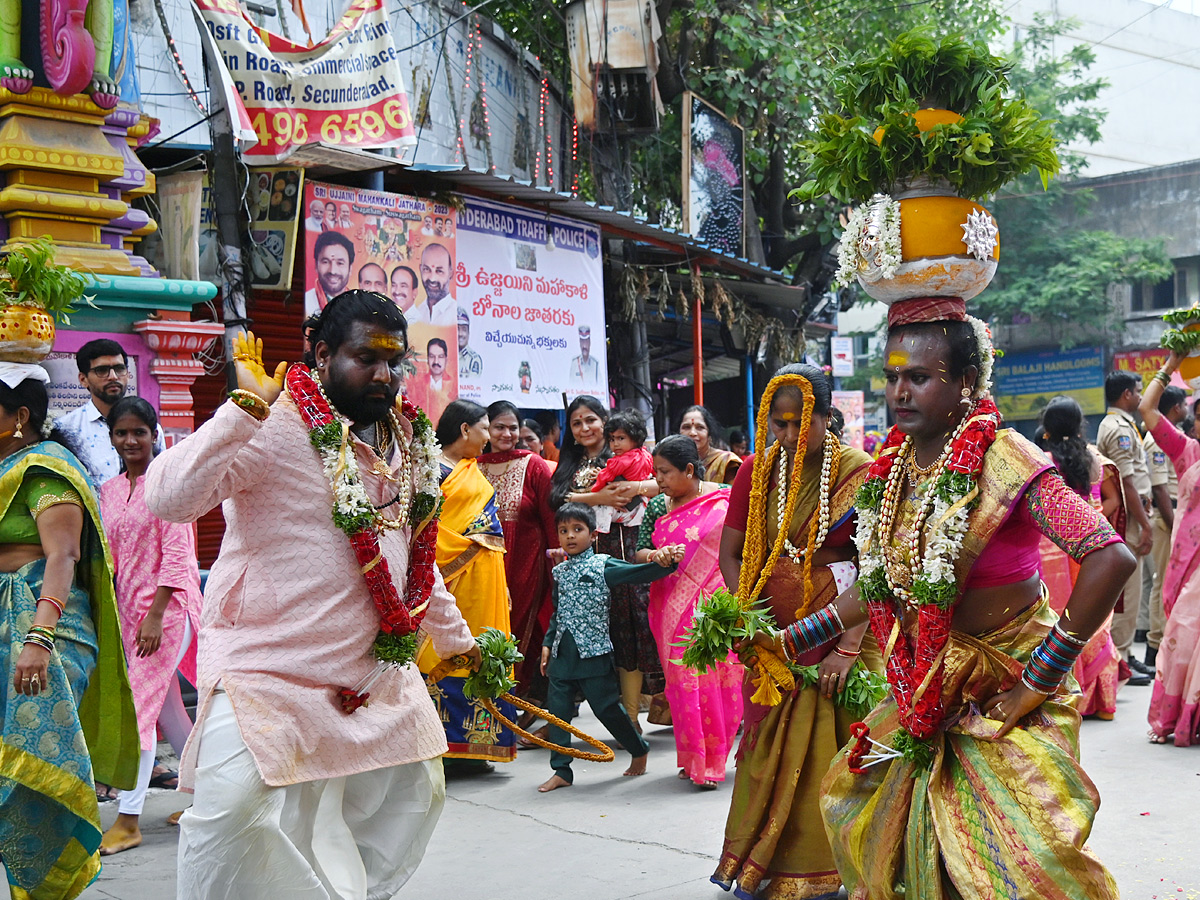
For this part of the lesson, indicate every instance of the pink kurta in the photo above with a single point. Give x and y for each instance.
(148, 552)
(1175, 700)
(287, 615)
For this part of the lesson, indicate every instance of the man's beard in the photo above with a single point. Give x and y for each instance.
(435, 290)
(112, 393)
(332, 285)
(361, 409)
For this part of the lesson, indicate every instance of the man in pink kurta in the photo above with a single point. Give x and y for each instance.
(295, 798)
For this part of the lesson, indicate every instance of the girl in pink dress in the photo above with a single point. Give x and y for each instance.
(157, 583)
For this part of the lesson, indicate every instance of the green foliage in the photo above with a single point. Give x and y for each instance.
(396, 649)
(30, 277)
(999, 138)
(500, 654)
(719, 621)
(915, 750)
(326, 437)
(861, 693)
(1175, 338)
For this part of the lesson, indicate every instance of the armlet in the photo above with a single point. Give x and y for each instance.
(44, 502)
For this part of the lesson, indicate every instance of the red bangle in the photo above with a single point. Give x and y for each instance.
(54, 600)
(848, 654)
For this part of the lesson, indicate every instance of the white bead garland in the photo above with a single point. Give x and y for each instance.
(831, 446)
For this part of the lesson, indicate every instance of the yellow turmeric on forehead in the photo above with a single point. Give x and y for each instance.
(897, 358)
(386, 342)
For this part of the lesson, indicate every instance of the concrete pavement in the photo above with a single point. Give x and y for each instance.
(657, 838)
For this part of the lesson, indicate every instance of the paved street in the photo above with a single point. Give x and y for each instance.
(656, 838)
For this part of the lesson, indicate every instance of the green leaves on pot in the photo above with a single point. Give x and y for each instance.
(30, 277)
(500, 654)
(720, 620)
(999, 137)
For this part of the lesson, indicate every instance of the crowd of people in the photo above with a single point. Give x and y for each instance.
(594, 550)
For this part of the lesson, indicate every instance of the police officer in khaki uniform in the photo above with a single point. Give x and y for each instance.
(1118, 439)
(1164, 489)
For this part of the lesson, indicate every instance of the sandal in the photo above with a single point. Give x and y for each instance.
(524, 743)
(164, 779)
(1156, 738)
(105, 792)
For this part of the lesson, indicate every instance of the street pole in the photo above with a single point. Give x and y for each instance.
(225, 181)
(697, 345)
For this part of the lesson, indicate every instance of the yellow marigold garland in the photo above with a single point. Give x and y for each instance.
(757, 564)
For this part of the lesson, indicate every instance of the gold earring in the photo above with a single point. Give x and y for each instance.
(966, 395)
(17, 434)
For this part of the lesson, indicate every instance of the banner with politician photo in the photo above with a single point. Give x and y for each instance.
(530, 307)
(400, 246)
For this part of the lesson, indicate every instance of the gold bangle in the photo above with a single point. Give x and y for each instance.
(251, 403)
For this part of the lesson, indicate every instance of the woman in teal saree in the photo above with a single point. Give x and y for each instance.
(66, 711)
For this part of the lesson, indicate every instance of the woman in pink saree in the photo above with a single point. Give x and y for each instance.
(1175, 703)
(1097, 479)
(705, 709)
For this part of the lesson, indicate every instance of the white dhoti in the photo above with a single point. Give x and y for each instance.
(358, 837)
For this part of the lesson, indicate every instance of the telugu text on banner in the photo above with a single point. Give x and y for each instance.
(346, 90)
(531, 298)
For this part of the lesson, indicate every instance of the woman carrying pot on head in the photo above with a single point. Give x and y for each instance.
(703, 428)
(583, 455)
(521, 480)
(1174, 713)
(158, 595)
(966, 780)
(66, 716)
(706, 709)
(773, 831)
(1098, 480)
(470, 555)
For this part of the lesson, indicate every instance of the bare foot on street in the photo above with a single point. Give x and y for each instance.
(124, 835)
(555, 782)
(637, 765)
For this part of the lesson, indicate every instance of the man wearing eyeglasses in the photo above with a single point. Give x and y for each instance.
(104, 371)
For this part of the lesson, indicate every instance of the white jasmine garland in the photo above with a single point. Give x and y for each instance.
(886, 257)
(987, 354)
(848, 247)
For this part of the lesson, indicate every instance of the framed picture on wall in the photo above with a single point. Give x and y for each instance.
(714, 177)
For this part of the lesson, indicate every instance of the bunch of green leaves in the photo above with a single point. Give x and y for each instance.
(862, 692)
(915, 750)
(1000, 137)
(424, 505)
(870, 494)
(326, 437)
(30, 277)
(499, 652)
(720, 620)
(873, 588)
(1182, 342)
(1179, 318)
(395, 649)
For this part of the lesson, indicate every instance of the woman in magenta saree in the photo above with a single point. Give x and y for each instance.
(705, 709)
(1175, 703)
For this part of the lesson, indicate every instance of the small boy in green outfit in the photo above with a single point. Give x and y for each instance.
(577, 654)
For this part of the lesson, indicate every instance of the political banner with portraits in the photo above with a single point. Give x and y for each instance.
(400, 246)
(530, 291)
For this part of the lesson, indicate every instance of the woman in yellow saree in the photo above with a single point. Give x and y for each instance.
(66, 710)
(775, 846)
(470, 554)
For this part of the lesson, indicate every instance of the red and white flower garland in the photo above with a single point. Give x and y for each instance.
(914, 669)
(399, 618)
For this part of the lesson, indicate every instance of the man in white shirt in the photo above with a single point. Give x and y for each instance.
(438, 308)
(316, 217)
(104, 371)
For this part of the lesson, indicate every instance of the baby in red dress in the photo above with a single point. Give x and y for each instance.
(630, 461)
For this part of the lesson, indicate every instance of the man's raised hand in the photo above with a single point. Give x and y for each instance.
(251, 376)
